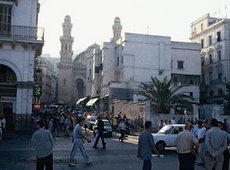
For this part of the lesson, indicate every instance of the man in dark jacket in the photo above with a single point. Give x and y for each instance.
(100, 127)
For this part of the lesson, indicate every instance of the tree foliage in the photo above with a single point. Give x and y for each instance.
(164, 95)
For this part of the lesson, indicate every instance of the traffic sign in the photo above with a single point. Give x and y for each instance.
(37, 91)
(37, 106)
(185, 111)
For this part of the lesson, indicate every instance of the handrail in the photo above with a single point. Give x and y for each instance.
(22, 32)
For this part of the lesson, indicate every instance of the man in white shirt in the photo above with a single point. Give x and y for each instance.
(185, 142)
(194, 129)
(43, 142)
(78, 143)
(121, 127)
(215, 143)
(173, 120)
(201, 138)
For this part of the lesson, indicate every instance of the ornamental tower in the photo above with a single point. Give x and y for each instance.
(65, 65)
(117, 27)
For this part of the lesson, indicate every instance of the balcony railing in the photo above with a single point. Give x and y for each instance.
(23, 33)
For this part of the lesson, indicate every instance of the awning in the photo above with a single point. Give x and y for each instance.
(107, 95)
(91, 102)
(81, 100)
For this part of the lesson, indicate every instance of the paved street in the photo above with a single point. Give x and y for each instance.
(17, 153)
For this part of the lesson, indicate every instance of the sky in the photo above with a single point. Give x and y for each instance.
(93, 19)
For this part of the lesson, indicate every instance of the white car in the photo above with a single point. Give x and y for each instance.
(166, 137)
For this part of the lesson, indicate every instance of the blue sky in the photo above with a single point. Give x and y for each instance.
(92, 19)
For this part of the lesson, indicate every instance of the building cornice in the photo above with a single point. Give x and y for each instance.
(223, 21)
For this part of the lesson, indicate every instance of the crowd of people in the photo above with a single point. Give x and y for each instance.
(209, 139)
(62, 120)
(49, 122)
(173, 121)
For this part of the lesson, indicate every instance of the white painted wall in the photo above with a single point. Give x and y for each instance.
(189, 53)
(144, 56)
(25, 13)
(21, 59)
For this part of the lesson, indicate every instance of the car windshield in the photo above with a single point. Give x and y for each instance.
(165, 130)
(106, 123)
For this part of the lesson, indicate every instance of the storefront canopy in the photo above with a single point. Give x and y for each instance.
(81, 100)
(92, 102)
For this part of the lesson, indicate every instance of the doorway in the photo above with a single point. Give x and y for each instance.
(9, 116)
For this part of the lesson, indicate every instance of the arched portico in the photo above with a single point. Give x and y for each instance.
(13, 67)
(8, 95)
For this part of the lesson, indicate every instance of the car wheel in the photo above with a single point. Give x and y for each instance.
(160, 146)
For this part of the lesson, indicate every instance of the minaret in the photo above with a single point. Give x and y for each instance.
(65, 75)
(117, 27)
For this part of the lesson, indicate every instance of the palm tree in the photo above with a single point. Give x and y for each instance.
(163, 95)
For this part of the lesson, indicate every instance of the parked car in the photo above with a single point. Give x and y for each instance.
(91, 122)
(107, 127)
(166, 137)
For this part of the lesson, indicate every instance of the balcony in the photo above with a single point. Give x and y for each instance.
(22, 33)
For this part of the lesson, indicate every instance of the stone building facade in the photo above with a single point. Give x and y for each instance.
(214, 36)
(21, 41)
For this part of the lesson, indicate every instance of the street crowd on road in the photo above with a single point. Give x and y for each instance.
(51, 122)
(209, 139)
(62, 120)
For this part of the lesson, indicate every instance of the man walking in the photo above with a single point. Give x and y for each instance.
(100, 127)
(146, 146)
(215, 143)
(43, 142)
(121, 127)
(78, 143)
(185, 142)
